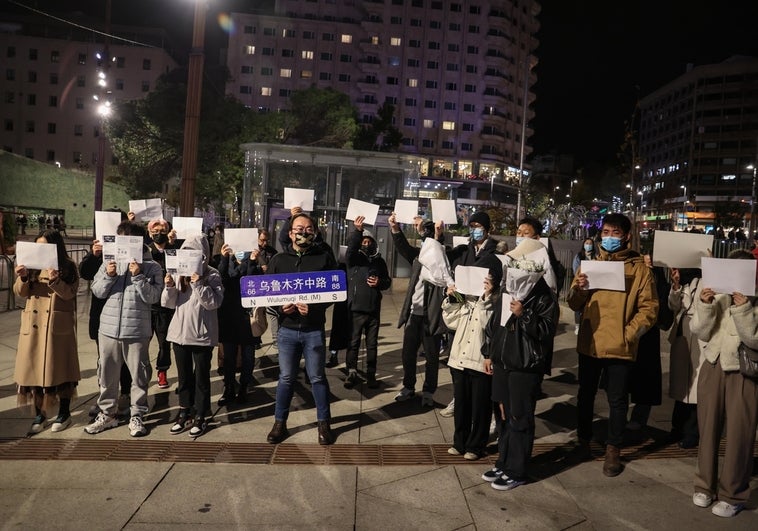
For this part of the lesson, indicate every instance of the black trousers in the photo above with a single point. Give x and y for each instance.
(473, 410)
(360, 322)
(617, 390)
(193, 364)
(519, 391)
(413, 336)
(684, 422)
(160, 319)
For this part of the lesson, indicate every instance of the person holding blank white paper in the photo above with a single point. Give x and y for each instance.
(727, 401)
(611, 325)
(47, 361)
(130, 289)
(367, 278)
(193, 331)
(468, 315)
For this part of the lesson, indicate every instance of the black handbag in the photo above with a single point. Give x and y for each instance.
(748, 361)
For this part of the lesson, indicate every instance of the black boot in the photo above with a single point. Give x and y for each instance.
(325, 435)
(278, 433)
(228, 396)
(242, 394)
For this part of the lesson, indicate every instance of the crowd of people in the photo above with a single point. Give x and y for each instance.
(498, 339)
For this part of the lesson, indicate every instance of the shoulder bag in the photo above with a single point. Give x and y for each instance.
(748, 361)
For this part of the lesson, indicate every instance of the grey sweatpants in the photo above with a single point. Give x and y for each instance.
(114, 353)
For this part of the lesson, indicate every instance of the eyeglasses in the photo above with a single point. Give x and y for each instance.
(301, 230)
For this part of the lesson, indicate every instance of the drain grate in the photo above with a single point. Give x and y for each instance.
(292, 454)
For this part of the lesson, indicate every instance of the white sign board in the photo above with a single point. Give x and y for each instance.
(37, 255)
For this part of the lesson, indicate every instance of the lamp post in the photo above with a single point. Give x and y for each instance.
(103, 110)
(684, 204)
(192, 112)
(752, 201)
(571, 189)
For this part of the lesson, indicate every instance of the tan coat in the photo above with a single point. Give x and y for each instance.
(613, 321)
(47, 354)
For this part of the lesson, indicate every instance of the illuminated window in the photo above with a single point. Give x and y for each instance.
(306, 54)
(265, 91)
(449, 126)
(428, 124)
(396, 41)
(285, 72)
(306, 74)
(412, 82)
(347, 39)
(249, 49)
(374, 40)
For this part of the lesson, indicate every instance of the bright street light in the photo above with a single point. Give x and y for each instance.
(752, 201)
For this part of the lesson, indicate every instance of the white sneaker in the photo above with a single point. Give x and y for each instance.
(427, 399)
(576, 330)
(101, 423)
(136, 427)
(449, 411)
(60, 423)
(471, 456)
(727, 510)
(405, 394)
(453, 451)
(701, 499)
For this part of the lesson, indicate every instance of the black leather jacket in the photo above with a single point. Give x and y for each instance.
(529, 338)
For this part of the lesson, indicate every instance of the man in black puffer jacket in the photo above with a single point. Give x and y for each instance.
(367, 278)
(301, 330)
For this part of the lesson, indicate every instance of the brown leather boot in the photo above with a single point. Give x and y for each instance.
(325, 435)
(278, 433)
(612, 466)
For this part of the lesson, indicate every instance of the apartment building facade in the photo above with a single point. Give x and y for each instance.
(51, 75)
(459, 75)
(698, 135)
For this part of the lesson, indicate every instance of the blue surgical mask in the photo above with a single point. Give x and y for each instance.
(477, 234)
(611, 243)
(241, 255)
(588, 247)
(519, 239)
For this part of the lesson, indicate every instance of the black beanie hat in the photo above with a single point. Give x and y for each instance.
(480, 217)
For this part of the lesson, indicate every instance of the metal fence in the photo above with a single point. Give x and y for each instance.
(8, 275)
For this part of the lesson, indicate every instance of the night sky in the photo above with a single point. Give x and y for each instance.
(596, 57)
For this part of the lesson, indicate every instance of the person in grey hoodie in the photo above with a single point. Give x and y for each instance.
(129, 291)
(194, 332)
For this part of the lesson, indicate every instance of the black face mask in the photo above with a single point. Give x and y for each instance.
(160, 238)
(368, 250)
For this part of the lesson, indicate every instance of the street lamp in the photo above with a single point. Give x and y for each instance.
(752, 201)
(684, 205)
(571, 189)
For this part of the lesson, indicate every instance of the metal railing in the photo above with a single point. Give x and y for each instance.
(7, 274)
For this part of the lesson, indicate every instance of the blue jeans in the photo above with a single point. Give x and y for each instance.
(292, 345)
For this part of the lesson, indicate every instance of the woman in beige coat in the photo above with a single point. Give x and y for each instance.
(47, 362)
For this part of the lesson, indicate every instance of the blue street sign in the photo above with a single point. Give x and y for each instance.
(310, 287)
